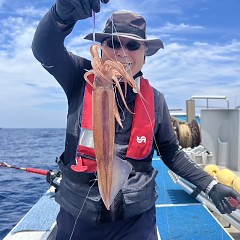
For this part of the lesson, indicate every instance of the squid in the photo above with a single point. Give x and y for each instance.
(112, 171)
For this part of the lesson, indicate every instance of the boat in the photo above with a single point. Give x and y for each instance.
(207, 139)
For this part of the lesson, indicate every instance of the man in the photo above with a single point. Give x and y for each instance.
(83, 214)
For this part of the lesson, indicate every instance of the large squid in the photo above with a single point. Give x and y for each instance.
(112, 172)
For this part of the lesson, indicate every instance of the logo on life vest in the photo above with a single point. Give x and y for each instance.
(141, 139)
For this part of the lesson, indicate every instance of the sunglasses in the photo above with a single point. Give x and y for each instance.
(130, 46)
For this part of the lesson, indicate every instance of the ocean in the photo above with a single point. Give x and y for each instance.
(20, 190)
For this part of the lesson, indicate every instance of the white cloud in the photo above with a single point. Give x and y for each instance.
(182, 27)
(26, 88)
(181, 71)
(31, 11)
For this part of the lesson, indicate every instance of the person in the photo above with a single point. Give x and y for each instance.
(82, 214)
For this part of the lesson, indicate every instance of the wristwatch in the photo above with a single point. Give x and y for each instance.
(210, 186)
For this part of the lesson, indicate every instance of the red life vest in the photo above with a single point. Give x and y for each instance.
(141, 138)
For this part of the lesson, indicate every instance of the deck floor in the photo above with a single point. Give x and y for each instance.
(180, 216)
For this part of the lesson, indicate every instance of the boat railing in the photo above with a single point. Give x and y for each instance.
(233, 218)
(237, 105)
(207, 98)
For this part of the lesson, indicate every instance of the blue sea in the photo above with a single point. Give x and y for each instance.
(20, 190)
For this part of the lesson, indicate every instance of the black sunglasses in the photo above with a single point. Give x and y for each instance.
(131, 45)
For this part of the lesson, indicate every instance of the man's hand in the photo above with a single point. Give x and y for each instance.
(220, 195)
(70, 11)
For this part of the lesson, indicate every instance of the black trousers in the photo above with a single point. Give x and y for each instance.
(141, 227)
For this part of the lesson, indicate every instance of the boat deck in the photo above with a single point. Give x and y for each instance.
(179, 215)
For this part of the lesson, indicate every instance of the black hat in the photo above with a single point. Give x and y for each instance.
(128, 25)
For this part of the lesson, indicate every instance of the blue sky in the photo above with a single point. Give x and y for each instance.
(201, 55)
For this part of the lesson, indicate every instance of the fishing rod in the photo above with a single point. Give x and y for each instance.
(28, 169)
(50, 175)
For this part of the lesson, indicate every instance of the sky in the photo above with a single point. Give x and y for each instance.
(201, 55)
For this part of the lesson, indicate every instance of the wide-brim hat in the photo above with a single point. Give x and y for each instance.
(127, 25)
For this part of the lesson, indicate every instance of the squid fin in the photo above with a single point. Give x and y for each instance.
(120, 173)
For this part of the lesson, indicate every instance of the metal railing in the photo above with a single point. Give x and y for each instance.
(207, 98)
(236, 98)
(233, 218)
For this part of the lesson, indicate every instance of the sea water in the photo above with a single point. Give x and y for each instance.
(20, 190)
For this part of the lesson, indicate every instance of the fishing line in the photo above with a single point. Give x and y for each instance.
(128, 68)
(94, 25)
(126, 58)
(150, 121)
(34, 163)
(118, 103)
(75, 223)
(27, 204)
(165, 200)
(163, 178)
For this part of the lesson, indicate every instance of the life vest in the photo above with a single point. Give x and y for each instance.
(141, 138)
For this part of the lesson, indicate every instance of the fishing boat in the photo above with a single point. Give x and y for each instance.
(212, 136)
